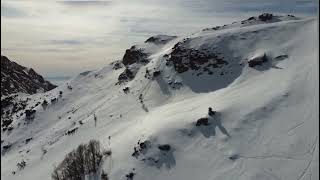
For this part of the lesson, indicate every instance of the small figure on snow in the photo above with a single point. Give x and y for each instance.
(109, 140)
(211, 112)
(95, 120)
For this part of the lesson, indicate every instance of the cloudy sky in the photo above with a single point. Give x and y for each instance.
(66, 37)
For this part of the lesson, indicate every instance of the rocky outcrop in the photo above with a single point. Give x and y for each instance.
(117, 65)
(183, 58)
(134, 55)
(125, 76)
(16, 78)
(10, 105)
(160, 39)
(138, 56)
(265, 17)
(132, 60)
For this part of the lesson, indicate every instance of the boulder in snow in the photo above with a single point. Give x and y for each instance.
(134, 55)
(126, 90)
(202, 122)
(257, 61)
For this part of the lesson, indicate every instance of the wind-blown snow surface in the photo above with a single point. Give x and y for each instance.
(266, 126)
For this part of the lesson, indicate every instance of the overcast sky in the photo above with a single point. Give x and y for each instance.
(64, 38)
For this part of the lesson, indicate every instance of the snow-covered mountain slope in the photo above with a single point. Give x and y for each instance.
(261, 79)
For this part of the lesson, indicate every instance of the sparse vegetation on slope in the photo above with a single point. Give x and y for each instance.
(79, 162)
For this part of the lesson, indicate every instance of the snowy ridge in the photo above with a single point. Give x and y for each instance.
(266, 120)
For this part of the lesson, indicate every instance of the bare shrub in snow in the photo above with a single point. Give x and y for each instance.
(93, 156)
(79, 162)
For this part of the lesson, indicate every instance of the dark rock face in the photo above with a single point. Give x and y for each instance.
(156, 73)
(265, 17)
(125, 76)
(134, 55)
(251, 18)
(9, 106)
(5, 102)
(6, 122)
(184, 58)
(16, 78)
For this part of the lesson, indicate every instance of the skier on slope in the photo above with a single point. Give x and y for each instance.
(95, 120)
(211, 112)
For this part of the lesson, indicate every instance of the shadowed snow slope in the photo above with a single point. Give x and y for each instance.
(265, 126)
